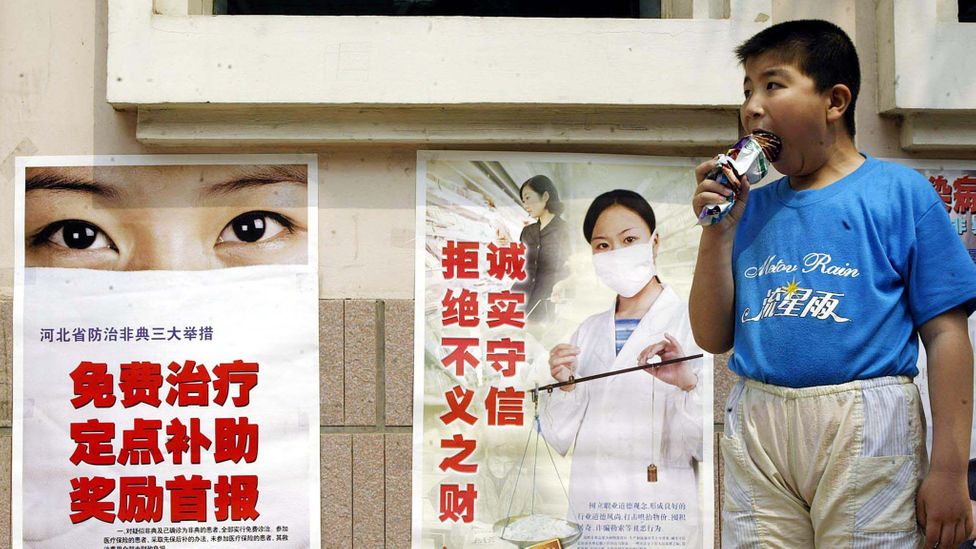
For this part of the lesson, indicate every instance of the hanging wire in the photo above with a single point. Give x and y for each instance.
(535, 462)
(508, 514)
(538, 433)
(654, 383)
(572, 512)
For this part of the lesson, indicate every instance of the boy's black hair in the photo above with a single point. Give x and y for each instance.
(628, 199)
(820, 49)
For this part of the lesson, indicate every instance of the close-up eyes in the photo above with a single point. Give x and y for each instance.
(74, 234)
(133, 219)
(254, 227)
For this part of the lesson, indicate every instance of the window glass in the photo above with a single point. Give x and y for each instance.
(477, 8)
(967, 11)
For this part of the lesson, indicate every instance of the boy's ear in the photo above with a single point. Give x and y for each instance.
(838, 100)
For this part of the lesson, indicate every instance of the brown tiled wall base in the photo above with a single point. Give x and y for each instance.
(366, 390)
(6, 411)
(724, 380)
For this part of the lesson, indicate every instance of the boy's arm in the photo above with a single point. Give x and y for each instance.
(712, 299)
(943, 499)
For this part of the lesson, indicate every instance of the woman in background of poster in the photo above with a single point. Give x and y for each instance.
(625, 425)
(547, 246)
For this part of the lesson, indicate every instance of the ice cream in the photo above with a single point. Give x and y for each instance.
(749, 158)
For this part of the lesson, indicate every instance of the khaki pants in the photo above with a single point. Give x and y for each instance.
(834, 467)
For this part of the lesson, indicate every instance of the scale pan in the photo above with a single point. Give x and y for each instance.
(564, 541)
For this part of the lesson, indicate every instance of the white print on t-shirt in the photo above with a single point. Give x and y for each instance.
(792, 300)
(814, 261)
(821, 262)
(770, 266)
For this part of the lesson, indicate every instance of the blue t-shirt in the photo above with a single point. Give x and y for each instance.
(831, 284)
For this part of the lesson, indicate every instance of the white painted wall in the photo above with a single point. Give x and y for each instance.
(52, 87)
(159, 59)
(926, 60)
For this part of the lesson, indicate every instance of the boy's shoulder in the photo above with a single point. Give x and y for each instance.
(882, 178)
(897, 183)
(893, 173)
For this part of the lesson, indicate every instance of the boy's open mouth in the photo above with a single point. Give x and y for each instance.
(771, 144)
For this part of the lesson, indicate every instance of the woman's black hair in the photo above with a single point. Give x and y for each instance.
(628, 199)
(541, 184)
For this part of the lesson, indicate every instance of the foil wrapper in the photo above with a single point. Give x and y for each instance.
(746, 159)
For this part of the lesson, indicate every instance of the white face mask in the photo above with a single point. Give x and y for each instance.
(627, 270)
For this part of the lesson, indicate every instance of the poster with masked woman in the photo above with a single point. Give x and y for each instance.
(166, 352)
(559, 393)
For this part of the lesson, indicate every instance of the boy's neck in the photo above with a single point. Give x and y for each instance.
(840, 160)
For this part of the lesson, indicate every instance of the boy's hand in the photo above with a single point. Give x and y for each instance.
(943, 499)
(943, 509)
(710, 192)
(712, 298)
(972, 535)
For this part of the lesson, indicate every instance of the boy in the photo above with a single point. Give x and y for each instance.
(823, 280)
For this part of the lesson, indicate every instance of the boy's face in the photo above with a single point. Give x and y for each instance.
(165, 217)
(779, 98)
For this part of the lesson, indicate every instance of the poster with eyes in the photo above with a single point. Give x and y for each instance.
(166, 352)
(546, 285)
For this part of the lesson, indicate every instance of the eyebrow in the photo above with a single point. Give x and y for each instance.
(618, 234)
(257, 176)
(53, 181)
(767, 73)
(249, 177)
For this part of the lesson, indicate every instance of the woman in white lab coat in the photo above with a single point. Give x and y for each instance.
(630, 428)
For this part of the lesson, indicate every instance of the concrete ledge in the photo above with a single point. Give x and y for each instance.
(939, 132)
(297, 125)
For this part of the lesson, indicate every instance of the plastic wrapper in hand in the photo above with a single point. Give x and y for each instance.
(746, 159)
